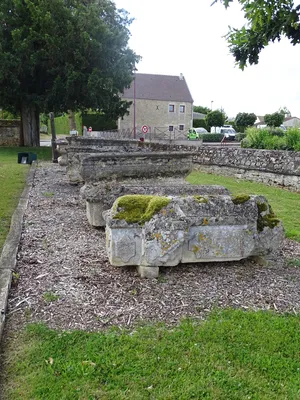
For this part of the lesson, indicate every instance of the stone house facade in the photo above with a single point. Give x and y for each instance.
(161, 102)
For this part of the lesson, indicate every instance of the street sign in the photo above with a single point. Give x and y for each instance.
(145, 129)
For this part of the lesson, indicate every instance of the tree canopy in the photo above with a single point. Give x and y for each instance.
(215, 118)
(274, 120)
(268, 20)
(201, 109)
(63, 55)
(243, 120)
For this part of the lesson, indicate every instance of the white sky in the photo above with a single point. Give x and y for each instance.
(175, 36)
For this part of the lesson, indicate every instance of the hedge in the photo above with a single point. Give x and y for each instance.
(62, 124)
(212, 137)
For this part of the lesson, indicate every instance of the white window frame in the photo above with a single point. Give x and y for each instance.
(184, 107)
(173, 105)
(171, 126)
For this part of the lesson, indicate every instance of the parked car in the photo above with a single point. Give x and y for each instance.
(229, 133)
(195, 133)
(201, 130)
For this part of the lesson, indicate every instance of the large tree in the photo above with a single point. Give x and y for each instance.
(60, 55)
(267, 21)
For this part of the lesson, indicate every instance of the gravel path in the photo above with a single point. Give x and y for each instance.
(64, 279)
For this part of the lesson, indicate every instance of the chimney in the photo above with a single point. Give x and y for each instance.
(181, 77)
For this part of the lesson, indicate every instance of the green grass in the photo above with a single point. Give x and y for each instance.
(12, 181)
(233, 355)
(285, 204)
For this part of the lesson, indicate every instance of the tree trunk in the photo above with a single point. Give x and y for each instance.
(72, 122)
(30, 119)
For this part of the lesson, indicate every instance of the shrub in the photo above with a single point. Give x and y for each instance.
(62, 124)
(293, 139)
(272, 139)
(240, 136)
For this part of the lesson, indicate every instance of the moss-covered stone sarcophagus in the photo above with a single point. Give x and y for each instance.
(153, 231)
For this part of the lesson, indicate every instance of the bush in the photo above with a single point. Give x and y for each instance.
(212, 137)
(62, 124)
(293, 139)
(99, 122)
(272, 139)
(240, 136)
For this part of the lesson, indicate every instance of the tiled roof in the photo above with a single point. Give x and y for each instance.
(159, 87)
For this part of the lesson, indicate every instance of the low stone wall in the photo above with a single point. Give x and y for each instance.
(267, 166)
(10, 132)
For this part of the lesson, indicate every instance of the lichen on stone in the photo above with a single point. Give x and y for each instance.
(200, 199)
(240, 199)
(138, 208)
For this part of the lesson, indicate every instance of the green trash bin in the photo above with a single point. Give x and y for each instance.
(26, 158)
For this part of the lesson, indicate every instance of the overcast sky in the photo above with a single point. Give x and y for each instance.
(186, 36)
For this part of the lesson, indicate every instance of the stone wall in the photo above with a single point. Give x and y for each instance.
(272, 167)
(10, 132)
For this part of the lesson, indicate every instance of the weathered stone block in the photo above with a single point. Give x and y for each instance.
(190, 229)
(135, 165)
(101, 196)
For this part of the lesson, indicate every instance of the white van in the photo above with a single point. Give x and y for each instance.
(226, 130)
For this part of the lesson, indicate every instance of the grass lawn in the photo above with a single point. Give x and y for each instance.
(233, 355)
(284, 203)
(12, 180)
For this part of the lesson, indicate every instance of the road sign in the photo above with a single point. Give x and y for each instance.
(145, 129)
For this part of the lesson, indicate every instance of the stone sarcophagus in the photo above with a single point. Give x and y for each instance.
(153, 231)
(100, 196)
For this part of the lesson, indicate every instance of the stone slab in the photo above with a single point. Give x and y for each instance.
(101, 196)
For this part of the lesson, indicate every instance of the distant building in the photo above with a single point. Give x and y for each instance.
(289, 122)
(161, 101)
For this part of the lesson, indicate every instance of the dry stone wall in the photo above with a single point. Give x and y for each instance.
(10, 132)
(272, 167)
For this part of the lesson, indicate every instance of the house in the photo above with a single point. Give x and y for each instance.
(162, 102)
(291, 122)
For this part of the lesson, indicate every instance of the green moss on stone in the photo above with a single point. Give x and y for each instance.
(269, 220)
(240, 199)
(200, 199)
(262, 207)
(139, 208)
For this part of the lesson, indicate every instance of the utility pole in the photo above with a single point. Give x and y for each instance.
(134, 106)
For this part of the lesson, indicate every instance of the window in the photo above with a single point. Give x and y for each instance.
(181, 127)
(182, 108)
(171, 108)
(171, 128)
